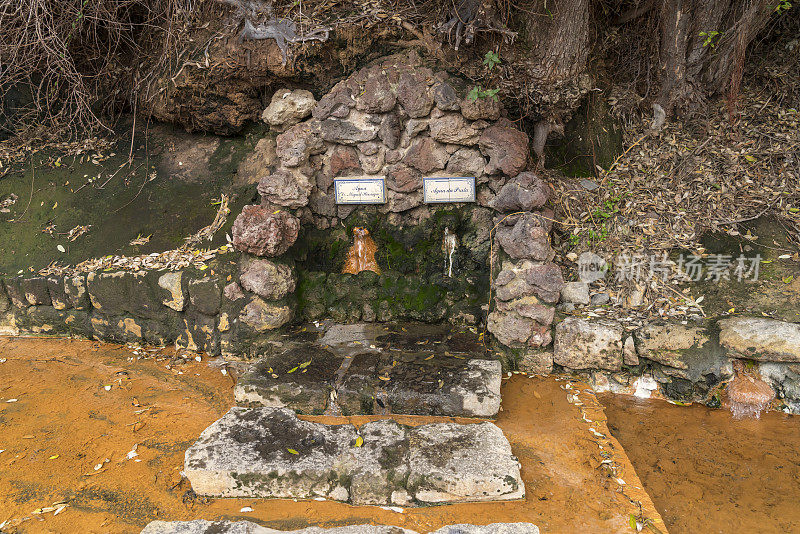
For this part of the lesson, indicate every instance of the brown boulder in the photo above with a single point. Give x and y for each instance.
(413, 93)
(426, 155)
(526, 239)
(526, 192)
(264, 232)
(285, 188)
(506, 147)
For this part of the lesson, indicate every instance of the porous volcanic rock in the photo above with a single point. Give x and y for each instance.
(288, 107)
(267, 279)
(264, 232)
(285, 187)
(506, 147)
(528, 238)
(526, 192)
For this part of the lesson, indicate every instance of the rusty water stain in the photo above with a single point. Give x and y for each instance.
(708, 472)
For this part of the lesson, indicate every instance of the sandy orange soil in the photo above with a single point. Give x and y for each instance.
(67, 438)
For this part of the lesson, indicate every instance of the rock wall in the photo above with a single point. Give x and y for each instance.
(682, 362)
(399, 119)
(404, 121)
(224, 309)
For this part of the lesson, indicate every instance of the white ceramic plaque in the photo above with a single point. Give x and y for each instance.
(360, 190)
(449, 189)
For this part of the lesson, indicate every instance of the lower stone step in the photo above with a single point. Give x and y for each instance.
(270, 453)
(312, 379)
(246, 527)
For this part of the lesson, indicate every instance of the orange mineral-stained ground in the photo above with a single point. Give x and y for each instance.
(93, 436)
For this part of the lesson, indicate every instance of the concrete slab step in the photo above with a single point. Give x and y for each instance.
(246, 527)
(347, 372)
(270, 453)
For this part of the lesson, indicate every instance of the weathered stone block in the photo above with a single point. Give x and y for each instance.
(301, 379)
(25, 292)
(261, 316)
(762, 339)
(116, 329)
(200, 526)
(584, 344)
(269, 452)
(58, 294)
(267, 279)
(198, 333)
(205, 294)
(5, 301)
(75, 288)
(125, 293)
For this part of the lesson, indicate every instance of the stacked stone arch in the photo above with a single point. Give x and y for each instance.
(403, 120)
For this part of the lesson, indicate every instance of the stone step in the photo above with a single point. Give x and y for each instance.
(200, 526)
(349, 373)
(270, 453)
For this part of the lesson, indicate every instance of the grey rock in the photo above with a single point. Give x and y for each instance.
(629, 356)
(205, 294)
(288, 107)
(337, 104)
(527, 278)
(668, 344)
(285, 187)
(762, 339)
(526, 239)
(591, 267)
(785, 380)
(377, 96)
(515, 331)
(390, 131)
(506, 147)
(269, 452)
(413, 93)
(536, 362)
(526, 192)
(58, 295)
(589, 185)
(445, 97)
(75, 288)
(454, 129)
(199, 526)
(426, 155)
(298, 143)
(356, 129)
(600, 299)
(575, 292)
(481, 108)
(583, 344)
(262, 316)
(305, 390)
(466, 162)
(270, 280)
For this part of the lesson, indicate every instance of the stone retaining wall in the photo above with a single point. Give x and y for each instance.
(683, 362)
(226, 309)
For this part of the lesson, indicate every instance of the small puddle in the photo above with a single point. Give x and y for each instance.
(708, 472)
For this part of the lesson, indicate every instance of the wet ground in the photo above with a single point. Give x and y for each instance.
(69, 438)
(97, 203)
(707, 472)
